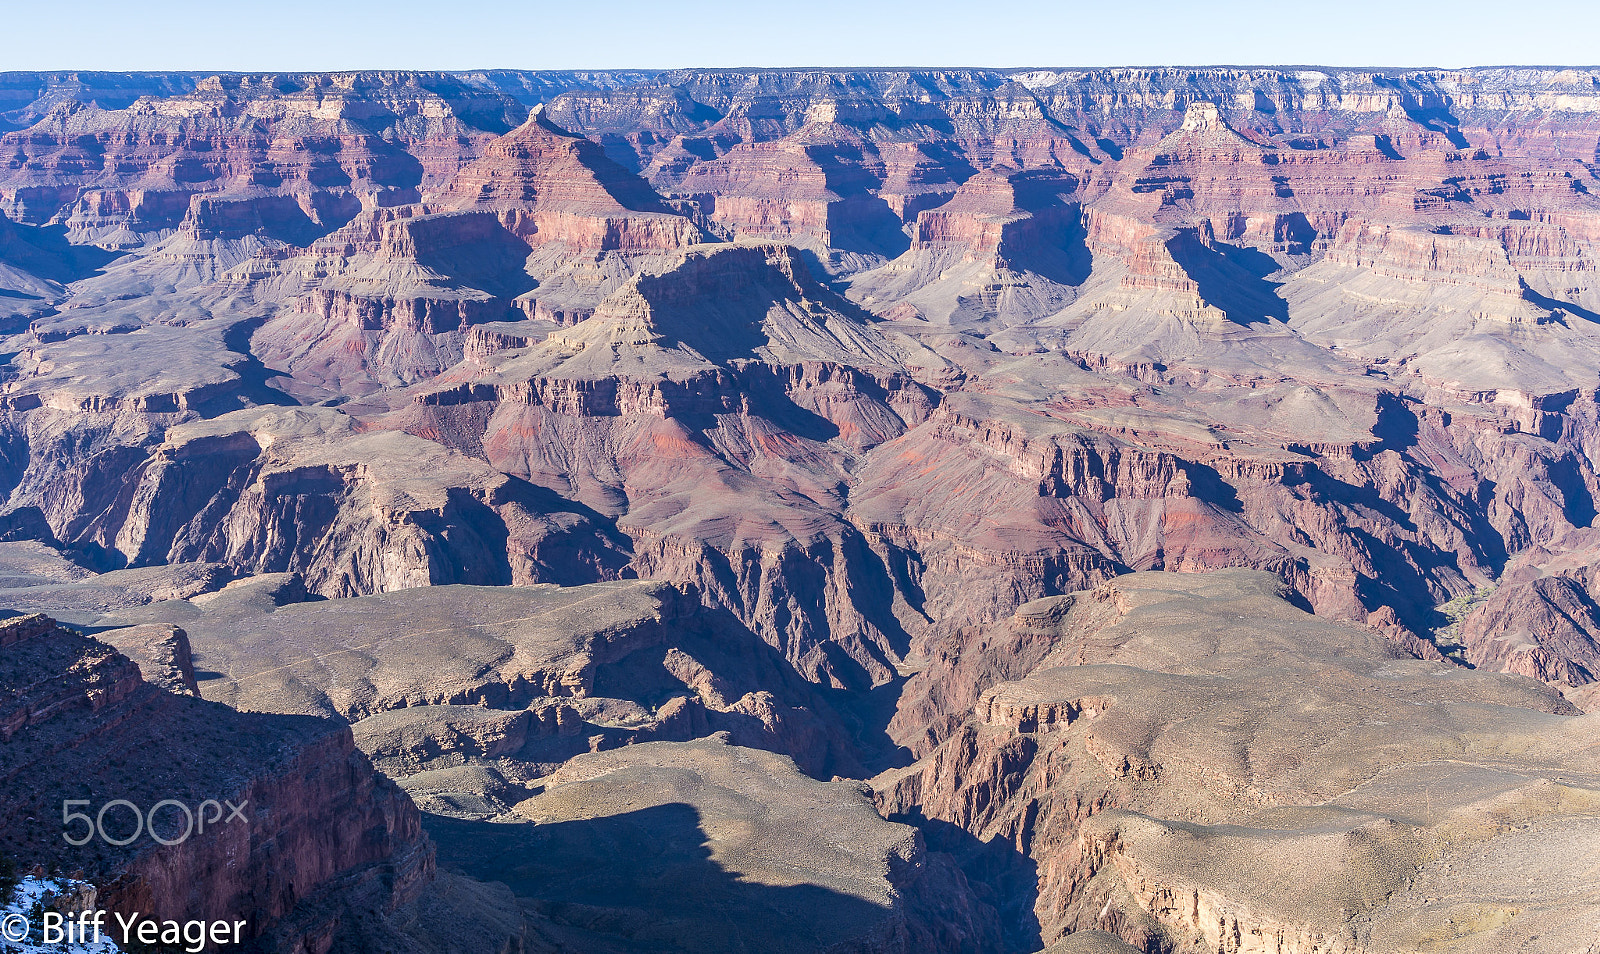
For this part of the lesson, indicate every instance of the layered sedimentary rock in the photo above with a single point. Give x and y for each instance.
(386, 300)
(1005, 246)
(730, 367)
(864, 372)
(587, 219)
(244, 489)
(319, 827)
(335, 144)
(566, 669)
(1173, 793)
(553, 186)
(840, 191)
(1187, 191)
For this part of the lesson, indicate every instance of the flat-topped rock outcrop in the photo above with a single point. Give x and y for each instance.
(712, 847)
(1199, 763)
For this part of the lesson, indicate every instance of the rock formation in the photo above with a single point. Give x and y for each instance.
(717, 848)
(79, 722)
(989, 432)
(1194, 764)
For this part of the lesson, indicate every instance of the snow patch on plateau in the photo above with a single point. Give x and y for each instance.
(1039, 79)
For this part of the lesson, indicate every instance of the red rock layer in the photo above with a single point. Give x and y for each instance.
(81, 723)
(550, 186)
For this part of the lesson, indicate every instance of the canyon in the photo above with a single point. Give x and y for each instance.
(811, 510)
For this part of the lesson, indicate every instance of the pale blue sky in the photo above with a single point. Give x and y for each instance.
(463, 34)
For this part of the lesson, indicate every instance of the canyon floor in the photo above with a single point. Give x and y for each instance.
(808, 510)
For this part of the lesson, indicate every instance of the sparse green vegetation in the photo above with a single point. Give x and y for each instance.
(1456, 610)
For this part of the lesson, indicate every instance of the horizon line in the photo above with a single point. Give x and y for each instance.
(1275, 67)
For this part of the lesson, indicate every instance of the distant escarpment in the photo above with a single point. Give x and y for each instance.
(1337, 325)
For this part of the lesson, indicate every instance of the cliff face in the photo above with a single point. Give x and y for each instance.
(337, 143)
(880, 380)
(1169, 796)
(549, 185)
(1338, 231)
(255, 489)
(1007, 246)
(1176, 262)
(79, 722)
(386, 300)
(1540, 620)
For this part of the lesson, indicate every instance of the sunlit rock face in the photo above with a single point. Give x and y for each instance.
(1169, 493)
